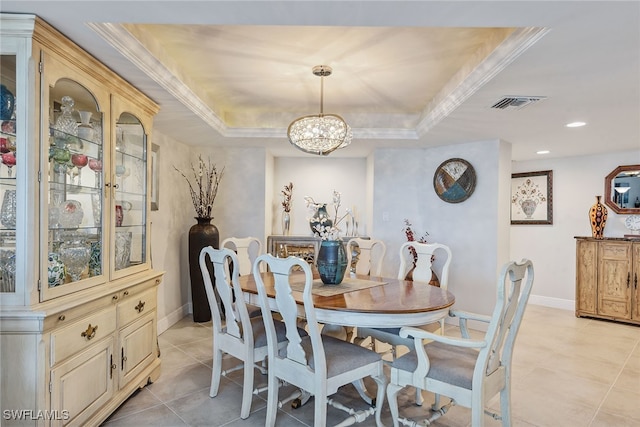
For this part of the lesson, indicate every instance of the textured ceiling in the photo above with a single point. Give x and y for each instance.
(406, 73)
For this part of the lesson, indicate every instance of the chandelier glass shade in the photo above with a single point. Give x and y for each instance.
(322, 133)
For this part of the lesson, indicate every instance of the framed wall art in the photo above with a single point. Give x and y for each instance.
(532, 198)
(154, 188)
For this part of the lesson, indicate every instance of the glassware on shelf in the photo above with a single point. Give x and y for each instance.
(71, 214)
(7, 270)
(75, 254)
(8, 211)
(65, 122)
(7, 144)
(79, 161)
(123, 249)
(85, 129)
(95, 261)
(96, 207)
(9, 159)
(61, 156)
(120, 144)
(96, 166)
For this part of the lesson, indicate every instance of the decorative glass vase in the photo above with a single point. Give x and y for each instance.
(8, 211)
(75, 254)
(123, 249)
(71, 214)
(286, 223)
(85, 129)
(65, 122)
(332, 262)
(598, 216)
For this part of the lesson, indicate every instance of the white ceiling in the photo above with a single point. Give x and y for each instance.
(406, 74)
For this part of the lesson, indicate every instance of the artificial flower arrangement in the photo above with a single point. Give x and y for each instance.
(287, 194)
(323, 226)
(207, 178)
(408, 231)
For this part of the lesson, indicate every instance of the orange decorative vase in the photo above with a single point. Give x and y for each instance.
(598, 216)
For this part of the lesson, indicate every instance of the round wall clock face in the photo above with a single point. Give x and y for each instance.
(454, 180)
(633, 222)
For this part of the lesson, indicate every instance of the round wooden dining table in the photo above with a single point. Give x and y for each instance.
(370, 302)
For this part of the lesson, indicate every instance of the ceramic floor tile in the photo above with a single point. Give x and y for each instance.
(567, 371)
(625, 403)
(181, 381)
(141, 400)
(159, 416)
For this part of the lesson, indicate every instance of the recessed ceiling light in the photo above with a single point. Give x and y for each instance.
(575, 124)
(543, 152)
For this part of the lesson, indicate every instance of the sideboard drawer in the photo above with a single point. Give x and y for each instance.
(135, 306)
(81, 334)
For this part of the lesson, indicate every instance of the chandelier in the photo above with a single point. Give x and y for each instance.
(323, 133)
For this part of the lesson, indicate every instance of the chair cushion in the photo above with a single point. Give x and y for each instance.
(341, 356)
(449, 364)
(260, 336)
(392, 331)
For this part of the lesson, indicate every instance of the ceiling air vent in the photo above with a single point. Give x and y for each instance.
(516, 102)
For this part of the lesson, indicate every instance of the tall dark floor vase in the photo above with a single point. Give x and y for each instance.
(201, 235)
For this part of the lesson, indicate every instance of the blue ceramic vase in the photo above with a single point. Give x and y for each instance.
(7, 103)
(332, 262)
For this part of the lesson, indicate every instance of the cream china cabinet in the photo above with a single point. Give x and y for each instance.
(78, 326)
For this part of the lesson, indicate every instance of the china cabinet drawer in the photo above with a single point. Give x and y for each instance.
(134, 306)
(81, 334)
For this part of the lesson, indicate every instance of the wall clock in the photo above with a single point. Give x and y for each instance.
(454, 180)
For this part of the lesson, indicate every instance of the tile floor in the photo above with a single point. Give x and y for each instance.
(567, 372)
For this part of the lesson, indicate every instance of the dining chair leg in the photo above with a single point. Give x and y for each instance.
(247, 390)
(216, 371)
(320, 410)
(272, 400)
(392, 398)
(505, 404)
(381, 381)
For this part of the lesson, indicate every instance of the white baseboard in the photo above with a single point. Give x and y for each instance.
(564, 304)
(173, 317)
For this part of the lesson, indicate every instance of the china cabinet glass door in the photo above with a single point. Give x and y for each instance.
(130, 195)
(8, 182)
(74, 187)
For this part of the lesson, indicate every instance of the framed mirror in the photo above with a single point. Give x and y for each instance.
(622, 190)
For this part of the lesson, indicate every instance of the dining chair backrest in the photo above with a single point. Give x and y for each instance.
(303, 362)
(237, 320)
(247, 250)
(426, 253)
(370, 257)
(287, 306)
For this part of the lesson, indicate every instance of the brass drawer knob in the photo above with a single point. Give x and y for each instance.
(140, 306)
(125, 293)
(90, 332)
(62, 317)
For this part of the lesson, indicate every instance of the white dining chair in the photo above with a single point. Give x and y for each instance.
(422, 272)
(370, 256)
(247, 250)
(239, 336)
(468, 371)
(317, 364)
(426, 253)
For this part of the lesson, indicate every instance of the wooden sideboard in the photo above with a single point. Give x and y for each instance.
(607, 273)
